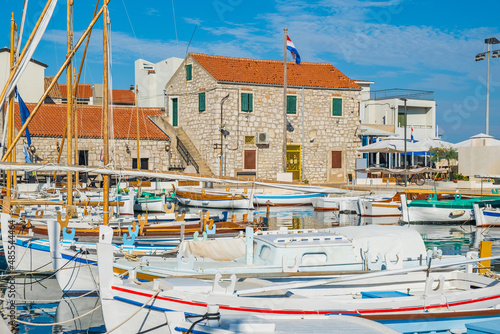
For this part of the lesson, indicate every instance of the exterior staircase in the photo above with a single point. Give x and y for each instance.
(185, 145)
(185, 148)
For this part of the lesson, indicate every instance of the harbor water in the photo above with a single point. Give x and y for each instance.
(42, 308)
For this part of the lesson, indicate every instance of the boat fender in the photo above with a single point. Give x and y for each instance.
(68, 236)
(228, 189)
(39, 214)
(494, 191)
(457, 213)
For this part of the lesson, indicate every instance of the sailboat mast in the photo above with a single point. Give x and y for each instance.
(105, 112)
(10, 119)
(75, 112)
(69, 101)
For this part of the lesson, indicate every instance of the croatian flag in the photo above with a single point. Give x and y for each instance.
(411, 138)
(293, 50)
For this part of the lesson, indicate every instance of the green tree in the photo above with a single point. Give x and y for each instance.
(447, 153)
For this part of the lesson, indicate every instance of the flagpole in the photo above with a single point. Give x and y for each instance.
(284, 106)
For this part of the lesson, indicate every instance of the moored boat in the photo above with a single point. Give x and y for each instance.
(214, 199)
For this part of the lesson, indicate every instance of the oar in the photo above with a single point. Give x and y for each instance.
(288, 286)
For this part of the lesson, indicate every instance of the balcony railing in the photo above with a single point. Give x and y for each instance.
(397, 93)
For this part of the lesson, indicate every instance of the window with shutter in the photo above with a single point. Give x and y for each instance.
(336, 159)
(189, 72)
(291, 104)
(337, 107)
(247, 102)
(250, 161)
(201, 101)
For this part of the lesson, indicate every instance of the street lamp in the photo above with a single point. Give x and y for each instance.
(223, 133)
(482, 56)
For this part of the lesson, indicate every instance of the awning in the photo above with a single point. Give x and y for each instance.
(369, 131)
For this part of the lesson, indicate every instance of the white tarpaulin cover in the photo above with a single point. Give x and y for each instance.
(223, 249)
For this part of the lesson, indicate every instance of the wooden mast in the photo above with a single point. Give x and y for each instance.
(75, 112)
(69, 101)
(105, 113)
(10, 119)
(52, 83)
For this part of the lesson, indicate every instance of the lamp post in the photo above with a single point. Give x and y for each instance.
(406, 176)
(482, 56)
(223, 133)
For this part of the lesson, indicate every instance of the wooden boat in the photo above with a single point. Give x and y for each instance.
(487, 216)
(388, 207)
(406, 294)
(214, 199)
(455, 210)
(286, 199)
(342, 249)
(150, 202)
(332, 203)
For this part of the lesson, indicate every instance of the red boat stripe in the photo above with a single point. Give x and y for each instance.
(307, 312)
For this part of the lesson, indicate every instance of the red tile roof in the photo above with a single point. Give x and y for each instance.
(55, 92)
(50, 121)
(84, 91)
(270, 72)
(123, 96)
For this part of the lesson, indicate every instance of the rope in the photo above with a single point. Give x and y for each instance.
(48, 300)
(133, 314)
(55, 323)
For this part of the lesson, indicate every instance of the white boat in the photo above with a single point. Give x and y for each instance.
(332, 203)
(486, 216)
(342, 249)
(404, 295)
(214, 199)
(150, 203)
(380, 208)
(286, 199)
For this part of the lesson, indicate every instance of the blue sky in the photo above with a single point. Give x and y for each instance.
(424, 44)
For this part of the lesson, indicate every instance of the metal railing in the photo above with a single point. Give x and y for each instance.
(397, 93)
(184, 153)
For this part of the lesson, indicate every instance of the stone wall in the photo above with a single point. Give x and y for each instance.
(323, 133)
(154, 150)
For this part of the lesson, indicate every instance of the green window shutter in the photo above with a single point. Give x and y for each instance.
(244, 102)
(337, 107)
(291, 104)
(250, 102)
(189, 72)
(201, 101)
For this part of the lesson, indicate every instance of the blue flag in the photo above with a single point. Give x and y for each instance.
(25, 113)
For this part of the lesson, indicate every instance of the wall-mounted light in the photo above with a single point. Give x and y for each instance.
(58, 147)
(127, 149)
(167, 147)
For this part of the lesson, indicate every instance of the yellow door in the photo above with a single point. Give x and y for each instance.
(293, 162)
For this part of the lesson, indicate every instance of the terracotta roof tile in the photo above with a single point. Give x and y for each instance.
(270, 72)
(84, 91)
(123, 96)
(55, 92)
(50, 121)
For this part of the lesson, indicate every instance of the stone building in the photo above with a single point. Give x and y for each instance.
(47, 128)
(322, 109)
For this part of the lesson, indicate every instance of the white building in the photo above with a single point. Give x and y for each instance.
(150, 80)
(31, 84)
(385, 109)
